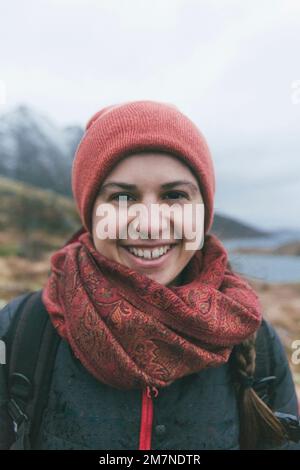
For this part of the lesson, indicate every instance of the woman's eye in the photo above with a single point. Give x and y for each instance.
(121, 197)
(177, 195)
(170, 195)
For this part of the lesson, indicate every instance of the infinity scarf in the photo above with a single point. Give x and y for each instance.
(130, 331)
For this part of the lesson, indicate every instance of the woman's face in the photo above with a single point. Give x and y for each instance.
(148, 178)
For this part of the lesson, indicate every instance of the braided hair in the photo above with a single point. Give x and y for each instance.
(257, 420)
(258, 423)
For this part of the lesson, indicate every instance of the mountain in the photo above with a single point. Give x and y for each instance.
(36, 151)
(226, 227)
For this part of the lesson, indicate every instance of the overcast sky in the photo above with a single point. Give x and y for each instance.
(232, 66)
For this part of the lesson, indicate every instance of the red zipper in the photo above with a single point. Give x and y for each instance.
(147, 417)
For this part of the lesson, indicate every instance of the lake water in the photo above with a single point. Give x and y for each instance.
(270, 268)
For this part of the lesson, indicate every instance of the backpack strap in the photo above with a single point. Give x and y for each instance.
(32, 343)
(263, 366)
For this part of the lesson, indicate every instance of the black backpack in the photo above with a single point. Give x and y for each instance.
(31, 346)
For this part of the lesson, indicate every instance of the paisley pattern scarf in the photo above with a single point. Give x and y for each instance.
(130, 331)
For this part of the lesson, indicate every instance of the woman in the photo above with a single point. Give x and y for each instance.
(158, 333)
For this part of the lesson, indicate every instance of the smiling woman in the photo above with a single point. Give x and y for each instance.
(150, 178)
(158, 341)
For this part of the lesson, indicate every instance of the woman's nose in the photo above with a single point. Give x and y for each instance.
(150, 223)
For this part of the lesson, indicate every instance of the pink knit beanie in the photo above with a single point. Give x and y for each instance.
(119, 130)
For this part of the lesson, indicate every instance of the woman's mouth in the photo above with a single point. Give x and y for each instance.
(148, 257)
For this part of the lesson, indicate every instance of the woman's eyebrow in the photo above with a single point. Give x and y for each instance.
(169, 185)
(193, 186)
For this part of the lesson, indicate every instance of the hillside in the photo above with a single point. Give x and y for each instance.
(39, 218)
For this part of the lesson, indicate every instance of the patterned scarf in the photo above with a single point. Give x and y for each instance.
(130, 331)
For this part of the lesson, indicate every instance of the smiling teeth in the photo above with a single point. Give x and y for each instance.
(149, 254)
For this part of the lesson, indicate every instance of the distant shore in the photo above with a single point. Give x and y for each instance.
(290, 249)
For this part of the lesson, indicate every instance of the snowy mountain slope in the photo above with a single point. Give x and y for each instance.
(36, 151)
